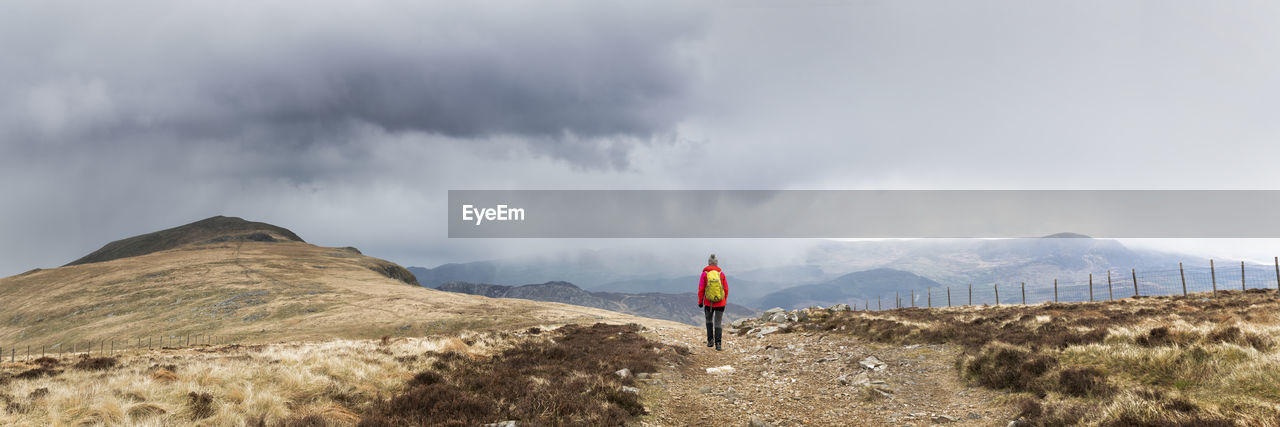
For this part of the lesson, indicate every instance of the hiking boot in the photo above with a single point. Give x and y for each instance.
(718, 346)
(718, 333)
(709, 344)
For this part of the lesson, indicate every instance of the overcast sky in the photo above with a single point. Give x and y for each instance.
(347, 122)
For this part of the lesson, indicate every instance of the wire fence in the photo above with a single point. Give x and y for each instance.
(1101, 286)
(109, 346)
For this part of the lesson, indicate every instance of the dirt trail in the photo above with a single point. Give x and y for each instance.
(796, 379)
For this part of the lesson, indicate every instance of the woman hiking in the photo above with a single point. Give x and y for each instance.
(713, 291)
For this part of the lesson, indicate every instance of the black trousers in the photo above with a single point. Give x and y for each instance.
(714, 316)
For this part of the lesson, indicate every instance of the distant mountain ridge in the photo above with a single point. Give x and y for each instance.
(1036, 261)
(856, 289)
(676, 307)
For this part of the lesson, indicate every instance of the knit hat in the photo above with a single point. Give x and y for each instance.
(712, 260)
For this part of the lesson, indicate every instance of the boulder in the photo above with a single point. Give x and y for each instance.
(737, 324)
(623, 373)
(943, 419)
(767, 330)
(780, 317)
(802, 315)
(858, 379)
(872, 363)
(725, 370)
(508, 423)
(631, 390)
(839, 307)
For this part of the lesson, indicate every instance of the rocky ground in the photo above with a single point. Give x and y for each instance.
(813, 378)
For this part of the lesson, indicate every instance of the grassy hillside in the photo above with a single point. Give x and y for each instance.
(317, 336)
(1167, 361)
(253, 290)
(540, 377)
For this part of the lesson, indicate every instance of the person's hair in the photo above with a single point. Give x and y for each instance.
(712, 260)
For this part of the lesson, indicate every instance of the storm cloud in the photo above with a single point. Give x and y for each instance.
(348, 122)
(555, 74)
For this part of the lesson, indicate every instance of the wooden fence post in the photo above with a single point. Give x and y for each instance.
(949, 295)
(1278, 274)
(996, 286)
(1090, 287)
(897, 300)
(929, 291)
(878, 307)
(1184, 279)
(913, 298)
(1213, 277)
(1055, 290)
(1024, 293)
(1110, 295)
(971, 293)
(1134, 273)
(1242, 289)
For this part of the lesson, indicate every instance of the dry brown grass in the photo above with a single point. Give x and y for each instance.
(565, 379)
(274, 384)
(561, 375)
(1194, 360)
(251, 291)
(329, 306)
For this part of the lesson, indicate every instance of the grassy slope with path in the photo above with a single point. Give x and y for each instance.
(251, 291)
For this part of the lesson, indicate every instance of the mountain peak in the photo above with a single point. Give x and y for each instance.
(217, 227)
(1066, 236)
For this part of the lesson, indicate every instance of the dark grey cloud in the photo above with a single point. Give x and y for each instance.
(348, 121)
(575, 79)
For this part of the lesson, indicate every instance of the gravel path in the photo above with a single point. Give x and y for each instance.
(805, 378)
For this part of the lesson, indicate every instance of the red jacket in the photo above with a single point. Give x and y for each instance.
(702, 287)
